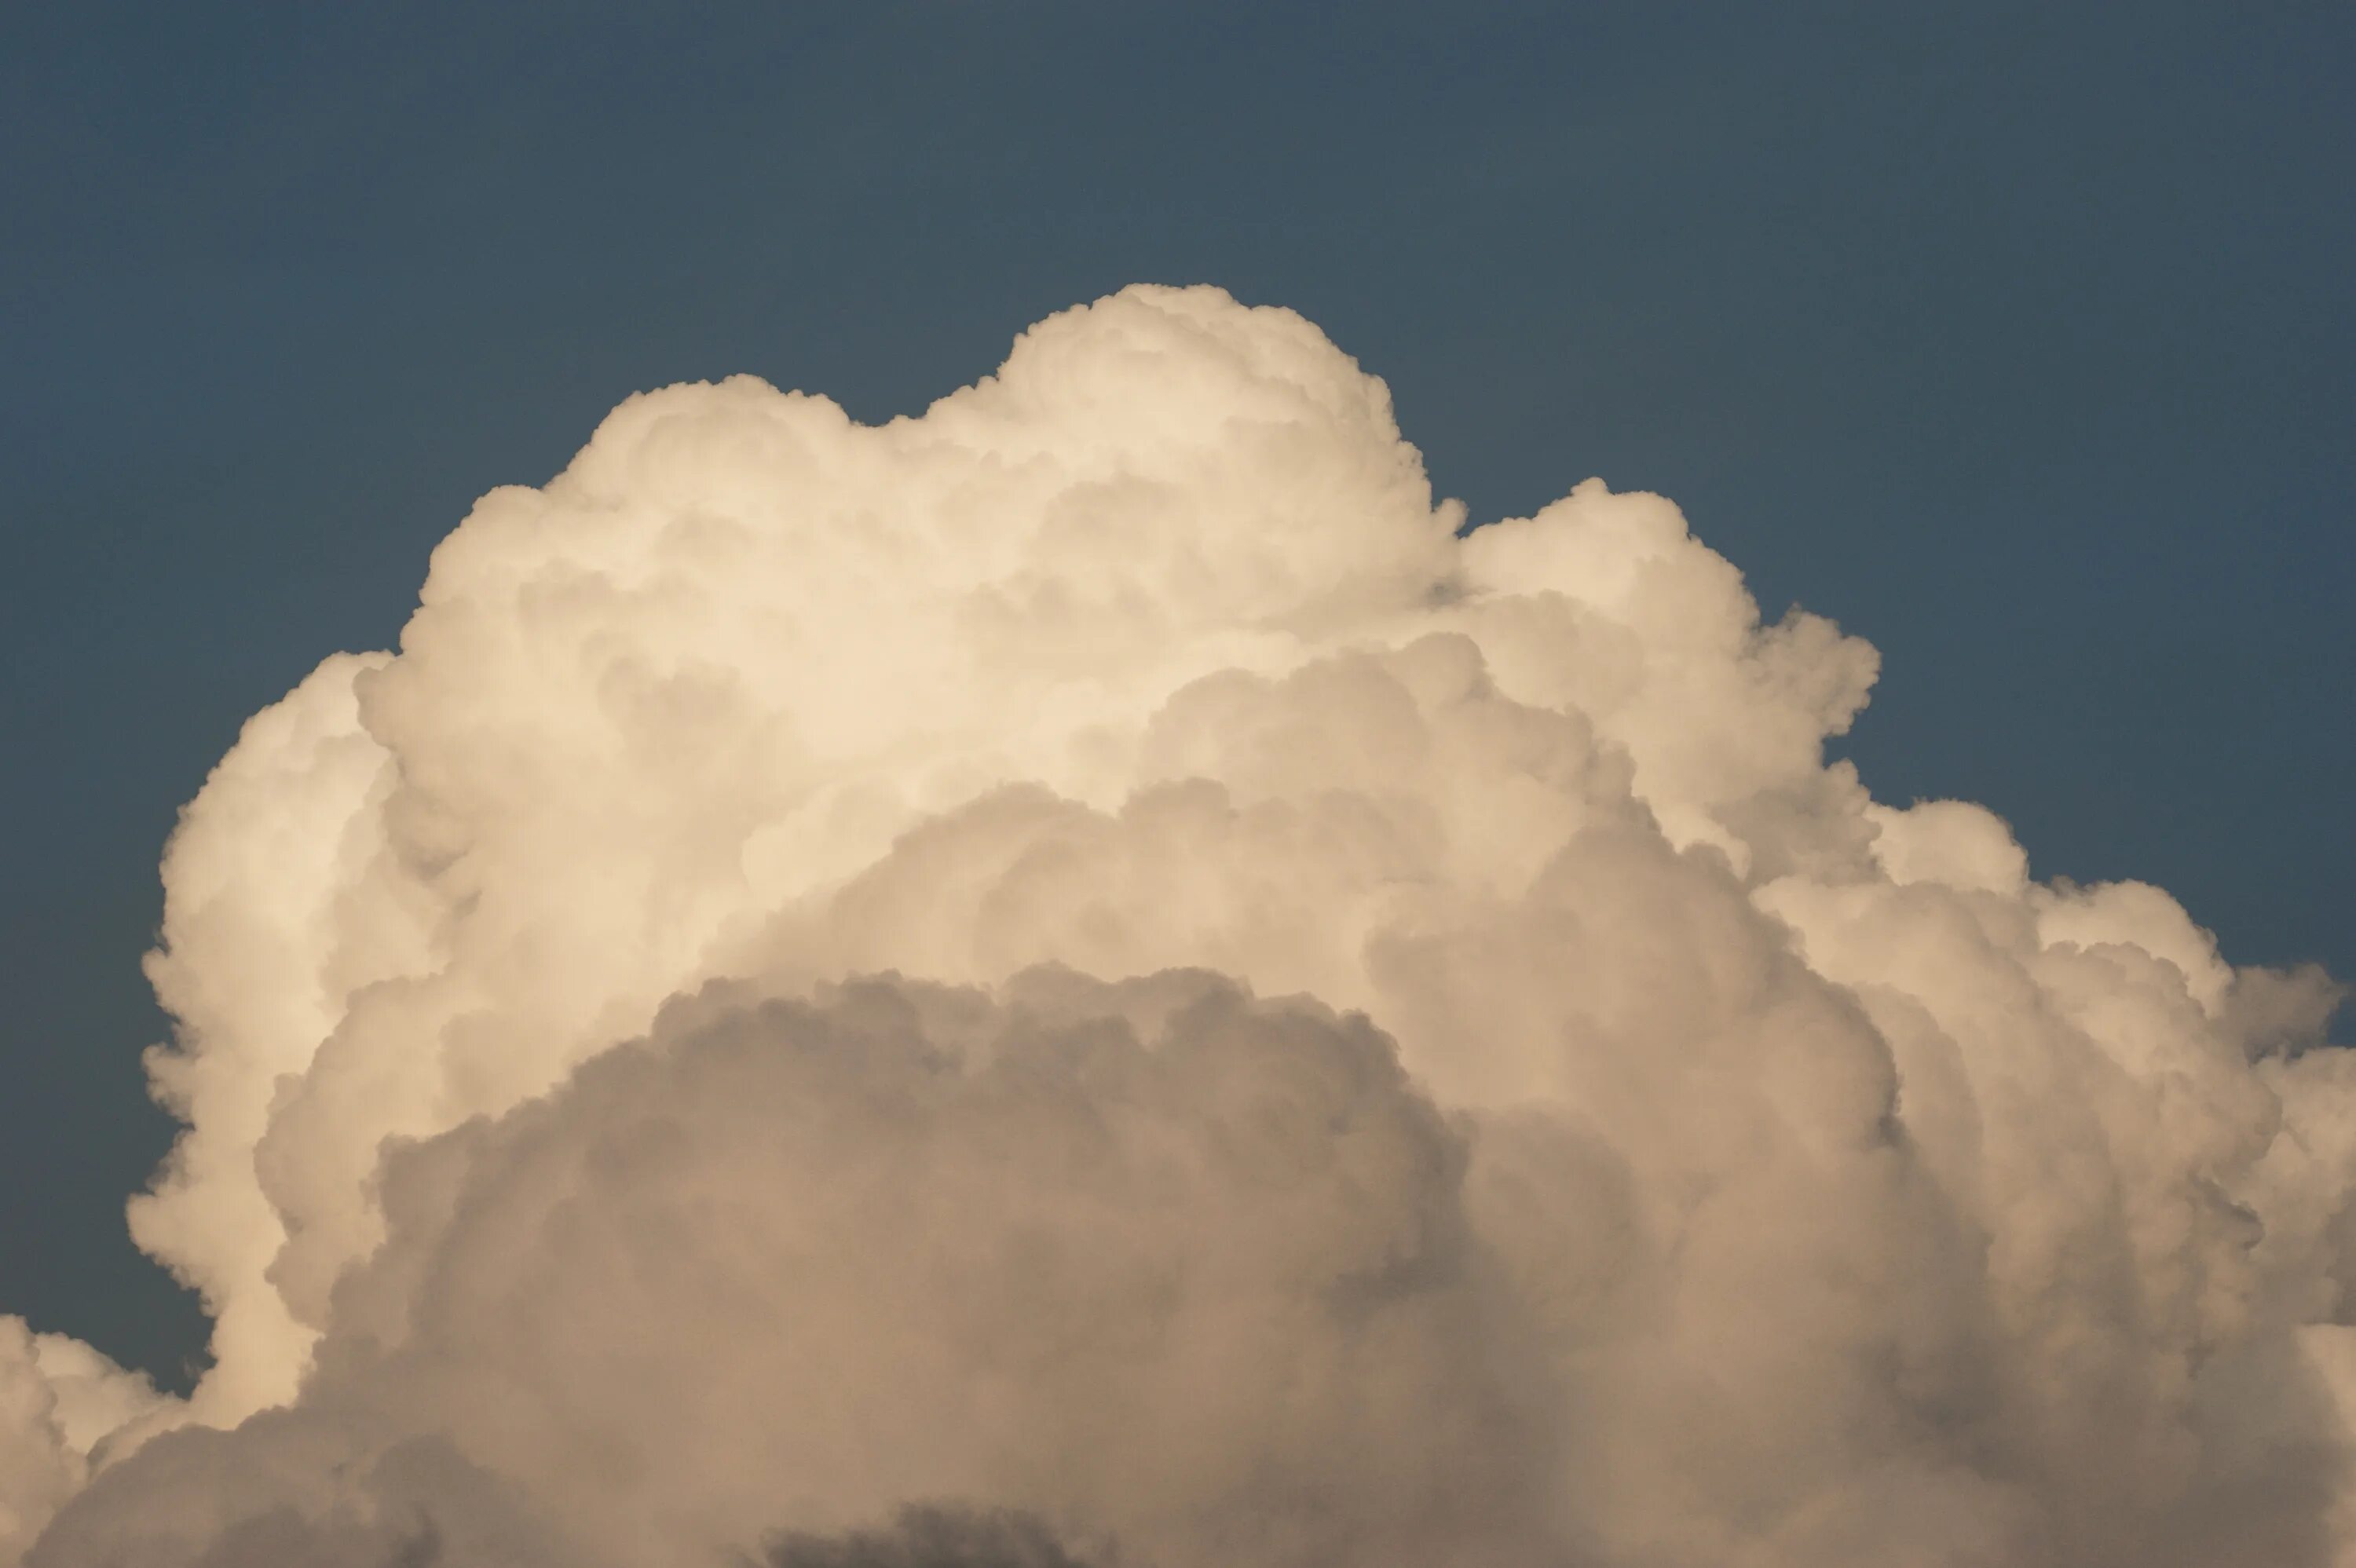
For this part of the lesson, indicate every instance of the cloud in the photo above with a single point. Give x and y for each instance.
(1085, 961)
(930, 1538)
(1151, 1261)
(63, 1406)
(301, 1489)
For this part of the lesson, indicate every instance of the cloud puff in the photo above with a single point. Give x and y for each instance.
(1658, 1151)
(1152, 1262)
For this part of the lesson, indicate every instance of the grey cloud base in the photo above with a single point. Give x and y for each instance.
(1186, 1296)
(1202, 1278)
(1087, 964)
(930, 1538)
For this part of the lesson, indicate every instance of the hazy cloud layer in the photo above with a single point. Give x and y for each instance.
(930, 1538)
(1084, 964)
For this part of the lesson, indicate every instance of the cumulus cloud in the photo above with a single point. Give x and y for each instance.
(63, 1406)
(1151, 1261)
(1087, 965)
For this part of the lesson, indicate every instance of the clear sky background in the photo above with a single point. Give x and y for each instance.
(2017, 339)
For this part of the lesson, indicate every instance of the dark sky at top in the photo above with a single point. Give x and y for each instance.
(2018, 338)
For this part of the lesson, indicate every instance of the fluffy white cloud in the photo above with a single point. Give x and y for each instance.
(1735, 1170)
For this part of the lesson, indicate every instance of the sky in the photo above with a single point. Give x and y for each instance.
(2015, 339)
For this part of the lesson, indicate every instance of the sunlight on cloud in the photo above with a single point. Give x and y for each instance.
(1082, 978)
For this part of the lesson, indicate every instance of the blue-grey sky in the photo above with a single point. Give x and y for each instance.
(2018, 338)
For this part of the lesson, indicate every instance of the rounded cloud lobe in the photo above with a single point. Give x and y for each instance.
(1081, 979)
